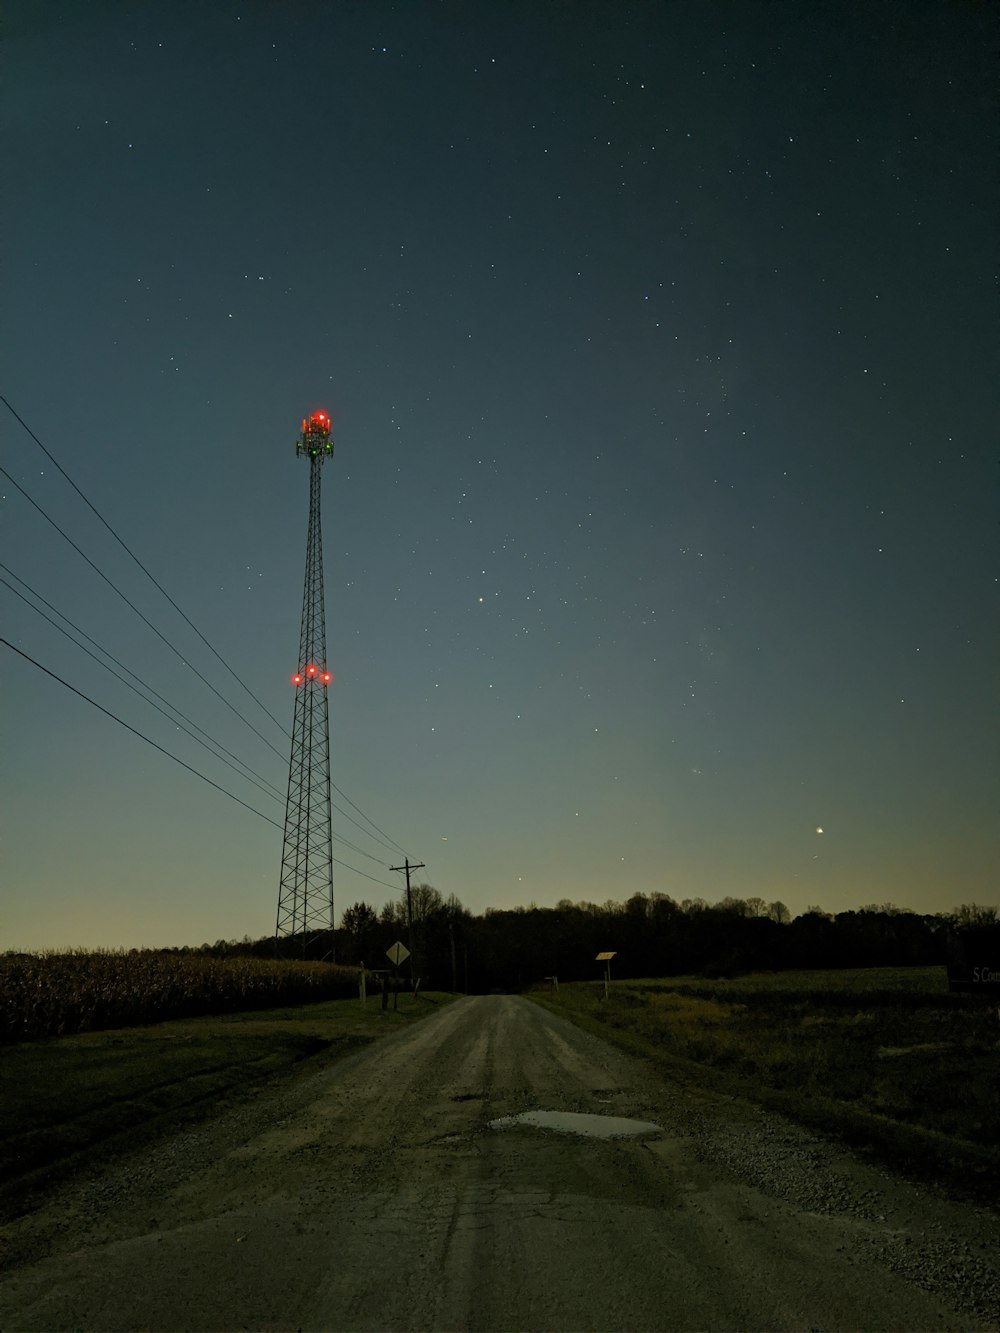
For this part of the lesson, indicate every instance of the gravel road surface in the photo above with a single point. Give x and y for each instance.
(373, 1193)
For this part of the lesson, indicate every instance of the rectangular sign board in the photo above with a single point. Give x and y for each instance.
(974, 960)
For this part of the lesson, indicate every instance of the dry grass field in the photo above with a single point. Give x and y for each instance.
(886, 1057)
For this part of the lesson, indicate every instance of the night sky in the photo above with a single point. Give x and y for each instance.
(660, 344)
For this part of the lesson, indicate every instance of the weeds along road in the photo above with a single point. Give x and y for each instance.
(372, 1194)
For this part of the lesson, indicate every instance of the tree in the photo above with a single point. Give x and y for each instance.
(393, 913)
(425, 899)
(360, 924)
(734, 906)
(971, 915)
(692, 905)
(453, 908)
(359, 919)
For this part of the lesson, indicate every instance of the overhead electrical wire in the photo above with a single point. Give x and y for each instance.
(364, 816)
(389, 843)
(48, 518)
(128, 550)
(263, 785)
(135, 676)
(268, 788)
(115, 718)
(135, 732)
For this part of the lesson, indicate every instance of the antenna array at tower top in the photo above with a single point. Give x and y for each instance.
(315, 441)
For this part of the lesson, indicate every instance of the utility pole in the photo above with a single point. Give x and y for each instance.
(420, 865)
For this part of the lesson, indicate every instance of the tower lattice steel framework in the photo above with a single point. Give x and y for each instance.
(305, 894)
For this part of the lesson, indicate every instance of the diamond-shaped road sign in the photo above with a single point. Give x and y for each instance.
(397, 953)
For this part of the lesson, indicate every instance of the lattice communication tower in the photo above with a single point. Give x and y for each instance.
(305, 894)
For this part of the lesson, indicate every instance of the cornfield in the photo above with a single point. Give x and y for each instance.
(56, 994)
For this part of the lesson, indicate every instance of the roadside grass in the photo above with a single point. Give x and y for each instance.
(885, 1057)
(70, 1095)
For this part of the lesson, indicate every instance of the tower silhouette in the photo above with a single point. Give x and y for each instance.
(305, 894)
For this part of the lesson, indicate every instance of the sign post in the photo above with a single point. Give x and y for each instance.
(397, 953)
(606, 958)
(974, 962)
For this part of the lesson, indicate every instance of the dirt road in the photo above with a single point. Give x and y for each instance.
(374, 1194)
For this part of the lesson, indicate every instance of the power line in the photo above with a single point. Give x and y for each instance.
(128, 550)
(374, 879)
(133, 607)
(364, 816)
(263, 785)
(384, 839)
(135, 676)
(115, 718)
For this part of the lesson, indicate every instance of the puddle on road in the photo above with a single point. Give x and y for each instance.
(575, 1122)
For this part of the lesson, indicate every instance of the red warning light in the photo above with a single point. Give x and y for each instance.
(310, 671)
(326, 678)
(296, 679)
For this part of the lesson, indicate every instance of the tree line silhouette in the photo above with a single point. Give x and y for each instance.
(652, 935)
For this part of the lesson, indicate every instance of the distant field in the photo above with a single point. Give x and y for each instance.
(885, 1056)
(848, 981)
(60, 993)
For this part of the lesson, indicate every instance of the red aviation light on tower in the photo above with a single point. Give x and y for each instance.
(296, 679)
(315, 440)
(326, 677)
